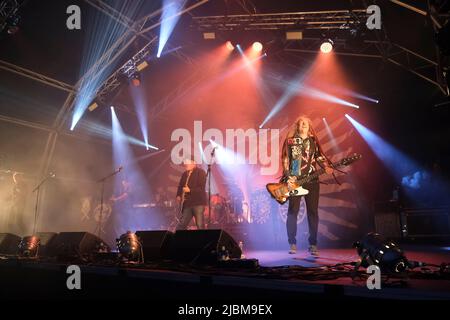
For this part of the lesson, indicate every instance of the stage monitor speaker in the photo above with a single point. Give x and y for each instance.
(76, 244)
(155, 244)
(202, 246)
(9, 243)
(46, 240)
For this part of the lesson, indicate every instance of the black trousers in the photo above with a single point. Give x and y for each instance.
(312, 207)
(187, 215)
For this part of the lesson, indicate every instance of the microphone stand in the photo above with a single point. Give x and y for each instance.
(209, 184)
(102, 181)
(38, 191)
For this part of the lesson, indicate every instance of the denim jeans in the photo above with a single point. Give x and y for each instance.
(312, 208)
(188, 213)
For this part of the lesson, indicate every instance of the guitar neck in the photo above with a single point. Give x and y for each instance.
(316, 174)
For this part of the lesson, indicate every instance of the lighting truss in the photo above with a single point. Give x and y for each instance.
(405, 58)
(36, 76)
(319, 20)
(127, 69)
(8, 10)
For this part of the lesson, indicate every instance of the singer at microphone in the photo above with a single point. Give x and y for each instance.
(191, 195)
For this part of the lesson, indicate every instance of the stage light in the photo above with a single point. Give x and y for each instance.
(29, 246)
(141, 66)
(130, 247)
(326, 46)
(12, 25)
(294, 35)
(257, 46)
(229, 46)
(13, 30)
(374, 249)
(136, 79)
(93, 106)
(209, 35)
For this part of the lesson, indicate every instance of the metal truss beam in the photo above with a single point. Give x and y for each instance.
(8, 9)
(25, 123)
(113, 82)
(322, 20)
(190, 8)
(36, 76)
(112, 54)
(175, 95)
(407, 59)
(139, 28)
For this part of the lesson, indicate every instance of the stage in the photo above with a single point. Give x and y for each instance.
(172, 150)
(279, 276)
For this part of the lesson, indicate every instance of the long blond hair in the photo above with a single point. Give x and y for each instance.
(292, 130)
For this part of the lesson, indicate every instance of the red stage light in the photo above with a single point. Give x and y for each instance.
(136, 82)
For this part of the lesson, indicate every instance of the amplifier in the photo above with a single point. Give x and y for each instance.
(387, 219)
(388, 224)
(425, 222)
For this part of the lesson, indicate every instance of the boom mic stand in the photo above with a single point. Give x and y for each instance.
(102, 181)
(213, 152)
(38, 191)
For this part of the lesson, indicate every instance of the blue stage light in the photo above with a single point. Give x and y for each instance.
(169, 19)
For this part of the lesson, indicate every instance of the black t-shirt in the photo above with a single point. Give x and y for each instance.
(303, 156)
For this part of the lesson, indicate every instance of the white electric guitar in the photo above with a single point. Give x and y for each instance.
(282, 191)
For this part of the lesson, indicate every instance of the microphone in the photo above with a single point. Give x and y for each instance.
(213, 151)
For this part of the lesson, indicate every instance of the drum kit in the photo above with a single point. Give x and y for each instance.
(224, 210)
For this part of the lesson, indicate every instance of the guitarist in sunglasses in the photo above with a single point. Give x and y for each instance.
(191, 195)
(300, 154)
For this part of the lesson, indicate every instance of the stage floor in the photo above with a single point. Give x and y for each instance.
(281, 276)
(327, 257)
(412, 288)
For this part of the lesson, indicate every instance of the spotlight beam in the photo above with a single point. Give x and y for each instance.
(170, 16)
(295, 88)
(289, 92)
(397, 162)
(86, 86)
(138, 97)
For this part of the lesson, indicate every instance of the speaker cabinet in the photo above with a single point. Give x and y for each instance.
(202, 246)
(76, 244)
(155, 244)
(426, 222)
(388, 224)
(9, 243)
(46, 241)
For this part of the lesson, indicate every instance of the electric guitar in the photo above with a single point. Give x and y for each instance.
(183, 194)
(282, 191)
